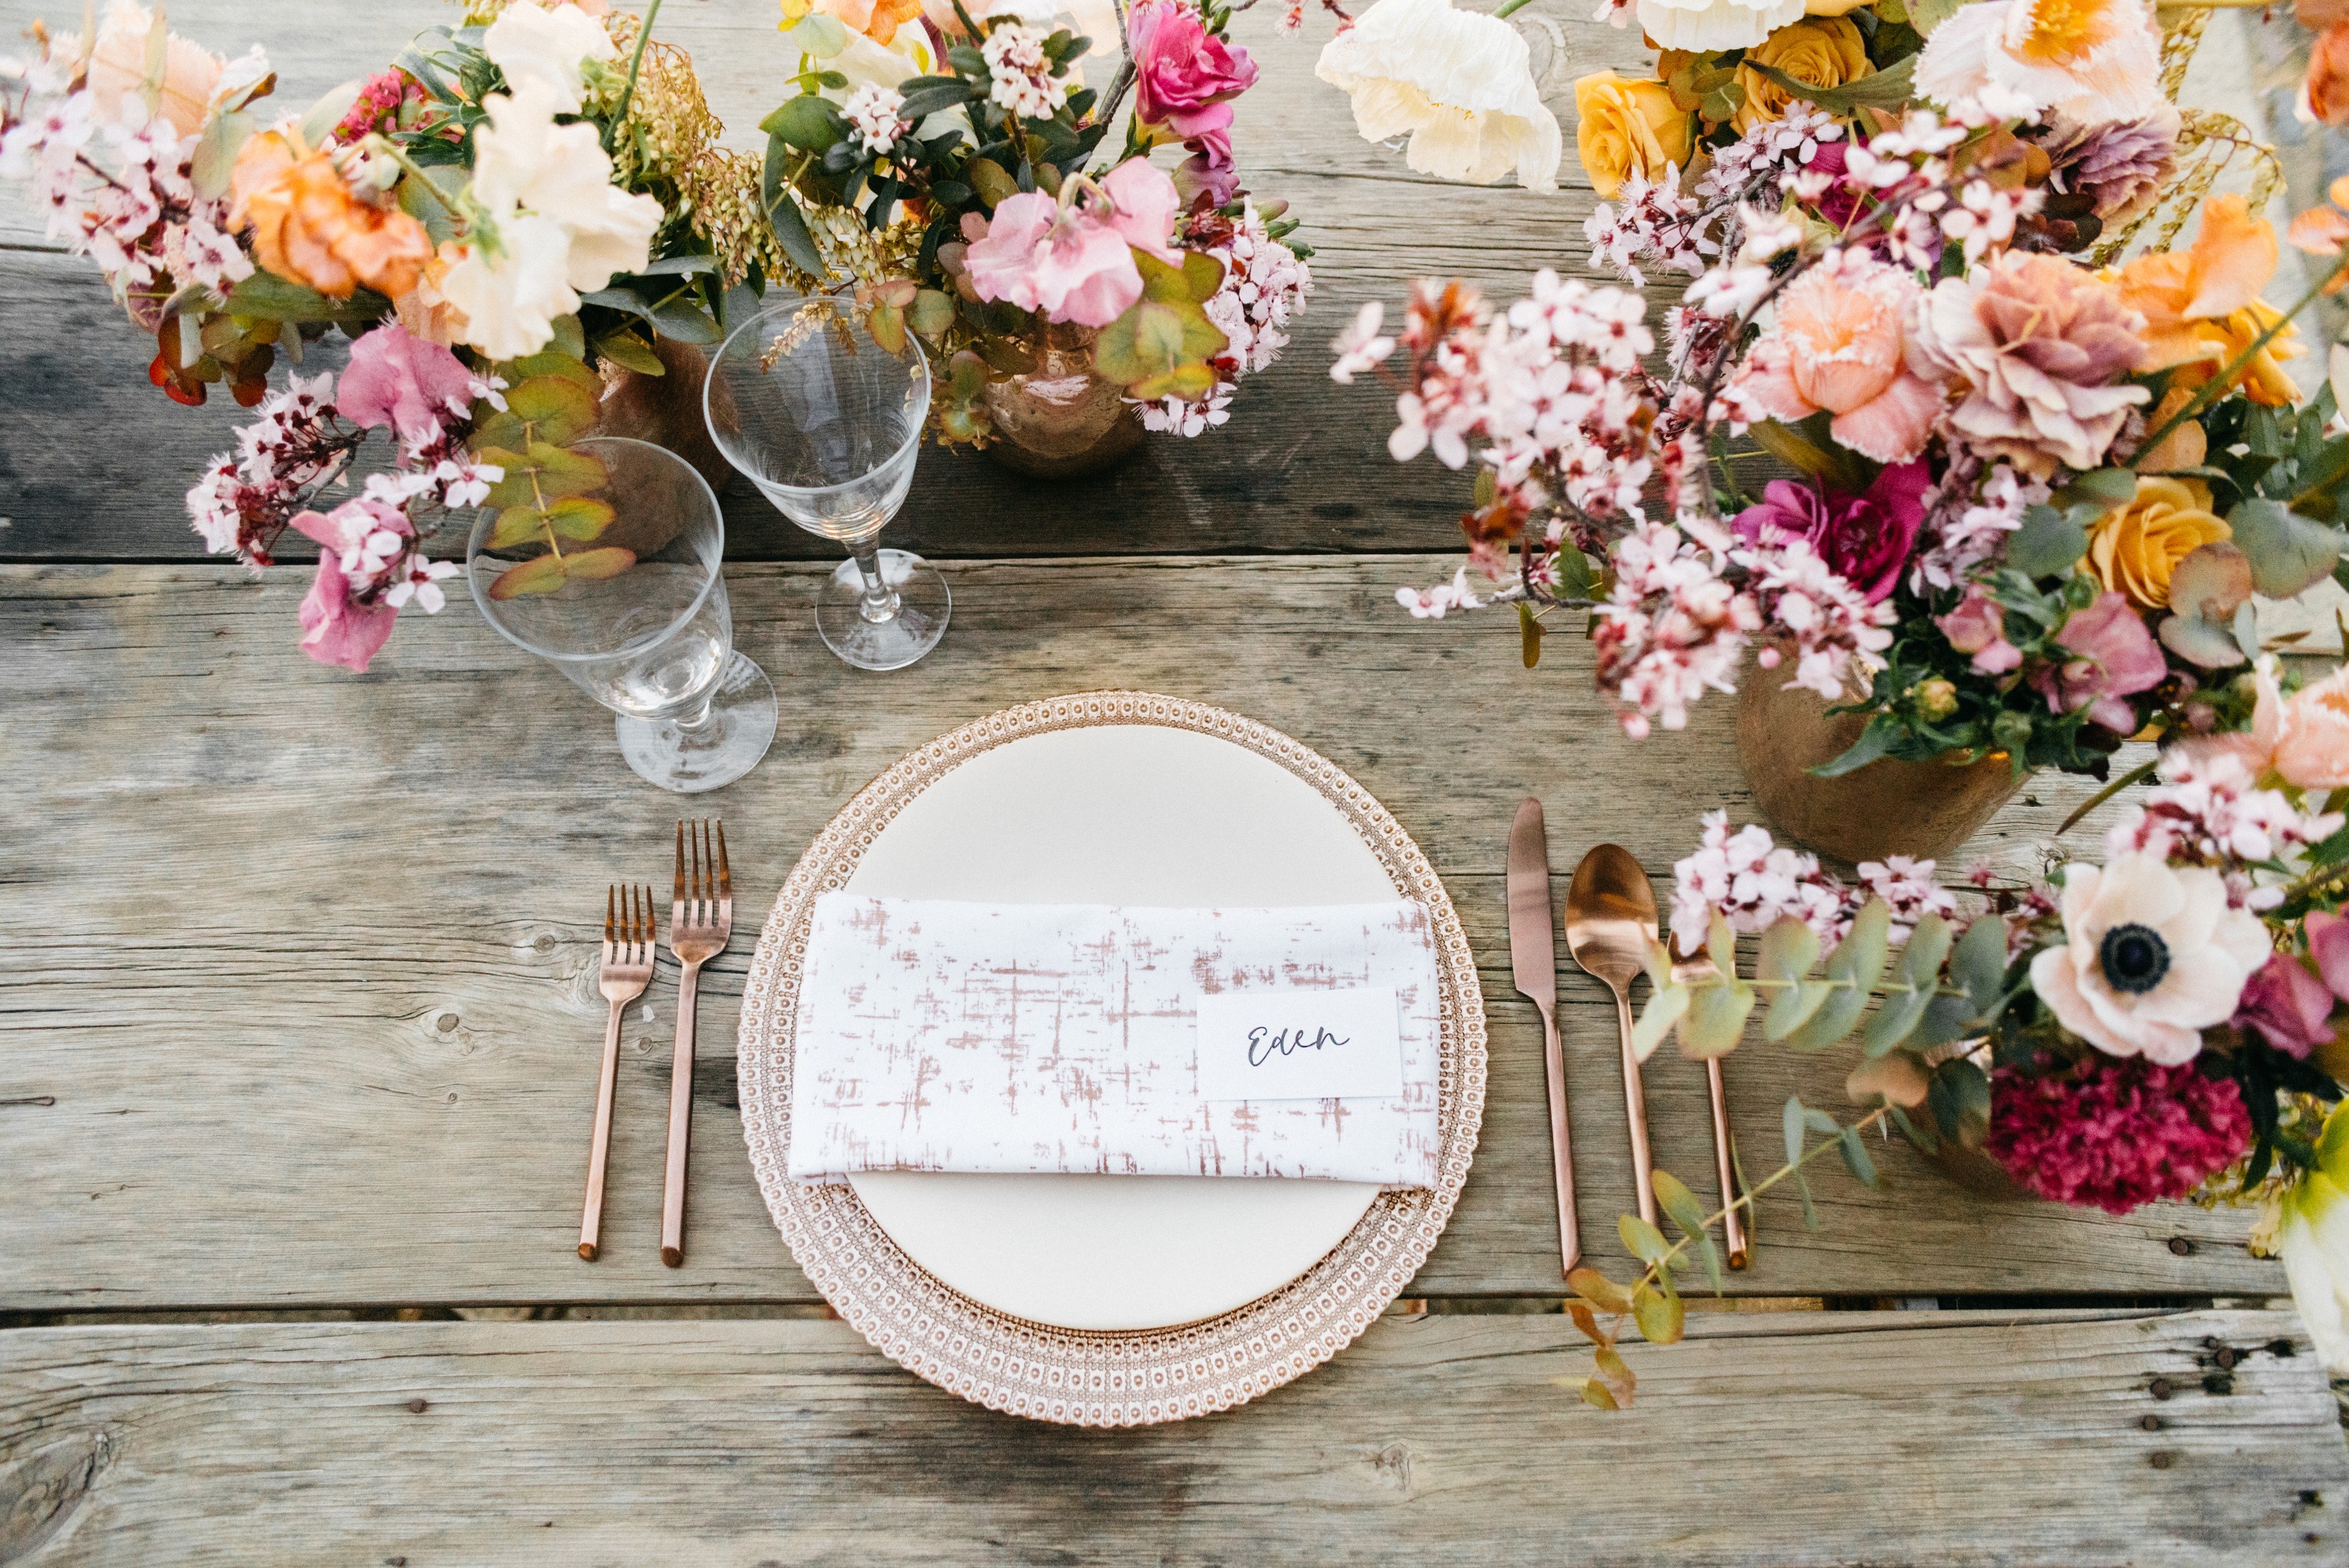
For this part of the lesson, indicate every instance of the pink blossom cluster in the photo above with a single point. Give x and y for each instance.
(1650, 221)
(1265, 287)
(1753, 881)
(1967, 520)
(1674, 627)
(141, 219)
(1023, 81)
(1836, 633)
(295, 447)
(2208, 809)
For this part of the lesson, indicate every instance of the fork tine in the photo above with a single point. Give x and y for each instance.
(677, 896)
(610, 893)
(706, 868)
(652, 922)
(725, 881)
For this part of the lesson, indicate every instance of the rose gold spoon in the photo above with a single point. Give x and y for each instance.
(1611, 923)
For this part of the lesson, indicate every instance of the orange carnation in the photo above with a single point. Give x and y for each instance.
(307, 224)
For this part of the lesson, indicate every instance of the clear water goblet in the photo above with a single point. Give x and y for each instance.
(633, 608)
(827, 423)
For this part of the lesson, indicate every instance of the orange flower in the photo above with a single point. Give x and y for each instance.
(2326, 91)
(2202, 308)
(308, 225)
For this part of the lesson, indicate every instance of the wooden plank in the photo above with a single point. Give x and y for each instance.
(306, 961)
(1783, 1440)
(94, 462)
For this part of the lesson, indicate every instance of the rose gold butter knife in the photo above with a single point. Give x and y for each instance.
(1533, 958)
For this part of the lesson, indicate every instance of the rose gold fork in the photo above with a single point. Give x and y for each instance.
(700, 918)
(1724, 1157)
(628, 942)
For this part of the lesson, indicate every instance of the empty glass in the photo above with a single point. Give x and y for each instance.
(826, 423)
(636, 614)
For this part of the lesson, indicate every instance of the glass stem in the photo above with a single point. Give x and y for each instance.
(701, 720)
(880, 602)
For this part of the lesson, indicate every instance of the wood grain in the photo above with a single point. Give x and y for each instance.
(94, 462)
(306, 959)
(1948, 1438)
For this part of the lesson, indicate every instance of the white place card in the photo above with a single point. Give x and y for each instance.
(1301, 1045)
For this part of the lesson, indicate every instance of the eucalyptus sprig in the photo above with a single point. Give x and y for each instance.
(1653, 1300)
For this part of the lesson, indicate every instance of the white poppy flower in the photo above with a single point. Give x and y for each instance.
(2095, 61)
(524, 160)
(2314, 1243)
(2153, 955)
(532, 43)
(511, 300)
(1710, 26)
(1459, 83)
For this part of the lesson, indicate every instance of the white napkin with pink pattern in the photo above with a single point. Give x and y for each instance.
(981, 1038)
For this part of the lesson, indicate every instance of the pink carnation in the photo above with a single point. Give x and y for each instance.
(1184, 76)
(398, 379)
(2123, 1133)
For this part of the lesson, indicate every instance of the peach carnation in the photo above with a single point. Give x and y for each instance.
(1840, 343)
(308, 225)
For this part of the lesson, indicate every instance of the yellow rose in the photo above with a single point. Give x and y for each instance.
(1628, 127)
(1834, 7)
(1823, 51)
(2133, 550)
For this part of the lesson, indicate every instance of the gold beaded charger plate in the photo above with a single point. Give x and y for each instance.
(1108, 1300)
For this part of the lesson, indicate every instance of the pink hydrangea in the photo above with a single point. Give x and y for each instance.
(2123, 1133)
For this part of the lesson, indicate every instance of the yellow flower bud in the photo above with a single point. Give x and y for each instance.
(1936, 699)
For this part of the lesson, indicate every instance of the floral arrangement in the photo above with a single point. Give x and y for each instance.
(2033, 491)
(512, 207)
(2171, 1023)
(971, 149)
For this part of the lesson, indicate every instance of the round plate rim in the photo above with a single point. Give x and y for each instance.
(1081, 1377)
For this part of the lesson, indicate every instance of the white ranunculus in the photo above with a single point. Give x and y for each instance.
(1710, 26)
(512, 299)
(2152, 957)
(1997, 52)
(1460, 84)
(531, 43)
(2314, 1242)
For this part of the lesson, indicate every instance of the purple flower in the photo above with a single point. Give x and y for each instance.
(1184, 76)
(2289, 1008)
(398, 379)
(2117, 657)
(1864, 539)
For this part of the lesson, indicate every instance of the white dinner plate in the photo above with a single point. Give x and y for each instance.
(1108, 1300)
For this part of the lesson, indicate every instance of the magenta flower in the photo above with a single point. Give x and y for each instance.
(1184, 76)
(2328, 945)
(2117, 657)
(1840, 202)
(1977, 626)
(1207, 177)
(1864, 539)
(2289, 1007)
(2121, 1134)
(398, 379)
(337, 629)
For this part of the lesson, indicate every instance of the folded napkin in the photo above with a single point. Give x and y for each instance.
(934, 1036)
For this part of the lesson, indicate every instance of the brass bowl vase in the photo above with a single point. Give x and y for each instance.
(1063, 418)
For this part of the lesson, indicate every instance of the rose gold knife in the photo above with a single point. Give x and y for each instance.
(1533, 958)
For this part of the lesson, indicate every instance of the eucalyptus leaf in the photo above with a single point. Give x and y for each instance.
(1856, 963)
(1978, 964)
(1673, 1195)
(1792, 1007)
(1717, 1018)
(1599, 1291)
(1640, 1239)
(2288, 552)
(1887, 86)
(329, 111)
(1659, 1314)
(1854, 1149)
(1789, 949)
(2112, 487)
(1792, 1120)
(2048, 545)
(1664, 1009)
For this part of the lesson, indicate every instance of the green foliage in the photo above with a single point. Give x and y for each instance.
(2288, 552)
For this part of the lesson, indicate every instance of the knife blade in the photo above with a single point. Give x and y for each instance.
(1533, 961)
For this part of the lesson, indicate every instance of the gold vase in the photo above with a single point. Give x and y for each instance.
(1886, 808)
(1063, 418)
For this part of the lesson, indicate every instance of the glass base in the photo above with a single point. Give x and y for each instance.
(741, 725)
(923, 607)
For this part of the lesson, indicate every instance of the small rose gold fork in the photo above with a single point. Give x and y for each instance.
(1724, 1157)
(700, 918)
(628, 942)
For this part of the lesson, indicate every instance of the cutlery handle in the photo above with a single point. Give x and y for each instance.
(591, 1222)
(1635, 1106)
(1569, 1237)
(1733, 1222)
(681, 1120)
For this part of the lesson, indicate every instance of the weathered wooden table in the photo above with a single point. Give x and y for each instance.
(298, 992)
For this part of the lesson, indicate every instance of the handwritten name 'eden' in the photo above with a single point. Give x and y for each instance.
(1264, 1043)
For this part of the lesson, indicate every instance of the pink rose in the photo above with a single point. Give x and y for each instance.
(2289, 1008)
(1184, 76)
(1066, 265)
(2117, 657)
(397, 378)
(337, 629)
(1864, 539)
(1977, 626)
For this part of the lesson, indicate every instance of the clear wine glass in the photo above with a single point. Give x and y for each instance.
(827, 423)
(636, 613)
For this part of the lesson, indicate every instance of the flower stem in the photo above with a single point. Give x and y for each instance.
(1510, 8)
(2211, 391)
(377, 142)
(635, 64)
(2142, 771)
